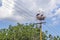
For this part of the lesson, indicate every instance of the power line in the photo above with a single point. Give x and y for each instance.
(55, 29)
(52, 29)
(25, 9)
(18, 11)
(26, 15)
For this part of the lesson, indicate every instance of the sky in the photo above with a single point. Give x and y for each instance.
(24, 11)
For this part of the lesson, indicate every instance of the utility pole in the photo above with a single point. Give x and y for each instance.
(41, 18)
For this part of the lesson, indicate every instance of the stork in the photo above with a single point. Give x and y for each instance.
(40, 16)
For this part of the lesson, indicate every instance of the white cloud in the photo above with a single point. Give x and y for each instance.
(5, 10)
(28, 6)
(57, 12)
(54, 18)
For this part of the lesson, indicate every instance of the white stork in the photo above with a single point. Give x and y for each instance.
(40, 16)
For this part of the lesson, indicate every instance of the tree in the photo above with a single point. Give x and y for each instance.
(24, 32)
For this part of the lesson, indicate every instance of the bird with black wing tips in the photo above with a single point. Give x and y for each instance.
(40, 16)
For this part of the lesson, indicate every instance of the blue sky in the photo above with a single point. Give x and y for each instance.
(24, 11)
(0, 2)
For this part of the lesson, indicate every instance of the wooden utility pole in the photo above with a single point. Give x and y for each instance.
(40, 17)
(41, 31)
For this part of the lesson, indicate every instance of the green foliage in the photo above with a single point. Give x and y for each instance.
(24, 32)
